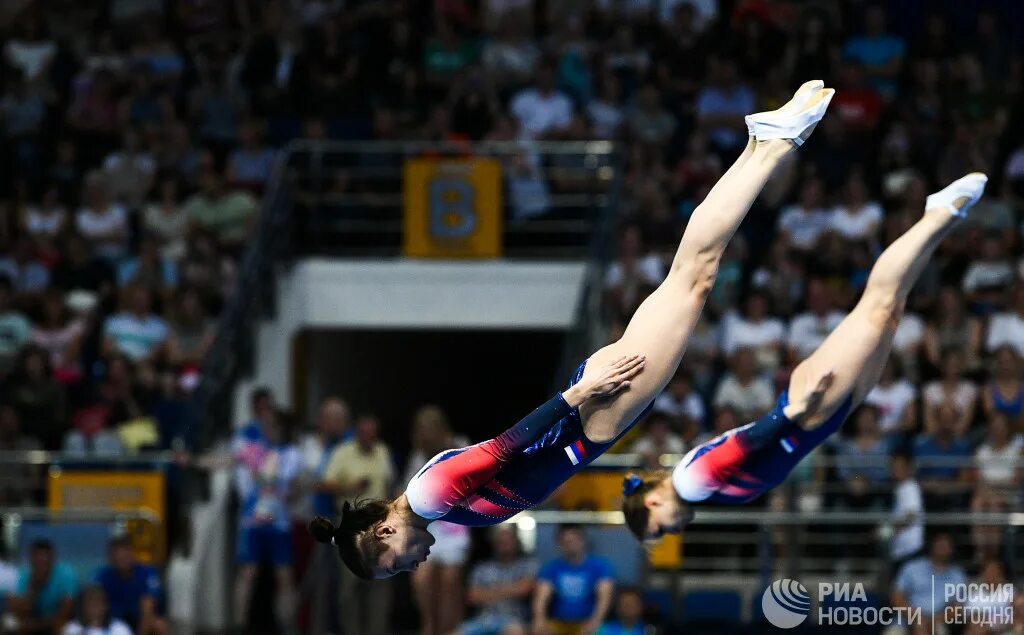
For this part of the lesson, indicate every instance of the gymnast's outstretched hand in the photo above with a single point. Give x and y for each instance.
(809, 406)
(607, 382)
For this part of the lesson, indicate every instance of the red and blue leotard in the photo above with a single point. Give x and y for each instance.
(744, 463)
(490, 482)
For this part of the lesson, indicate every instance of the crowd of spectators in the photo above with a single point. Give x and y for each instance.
(134, 152)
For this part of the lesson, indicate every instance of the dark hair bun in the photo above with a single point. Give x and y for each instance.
(322, 529)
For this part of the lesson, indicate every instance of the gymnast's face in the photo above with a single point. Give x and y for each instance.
(407, 547)
(666, 514)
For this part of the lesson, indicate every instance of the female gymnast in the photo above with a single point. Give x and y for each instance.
(742, 464)
(490, 482)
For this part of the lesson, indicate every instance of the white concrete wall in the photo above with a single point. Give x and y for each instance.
(407, 294)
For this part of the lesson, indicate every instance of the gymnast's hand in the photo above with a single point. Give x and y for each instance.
(809, 406)
(607, 382)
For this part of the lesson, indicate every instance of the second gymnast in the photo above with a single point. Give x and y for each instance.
(744, 463)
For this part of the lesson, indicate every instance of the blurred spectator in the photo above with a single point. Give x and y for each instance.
(500, 588)
(15, 329)
(18, 482)
(105, 224)
(167, 221)
(629, 615)
(987, 276)
(861, 461)
(991, 575)
(132, 590)
(998, 478)
(809, 329)
(511, 57)
(136, 332)
(437, 583)
(94, 617)
(574, 591)
(46, 592)
(542, 110)
(1007, 327)
(250, 165)
(605, 112)
(907, 540)
(1004, 393)
(634, 274)
(742, 390)
(953, 388)
(916, 579)
(47, 220)
(896, 400)
(191, 332)
(323, 575)
(60, 333)
(24, 269)
(757, 330)
(363, 468)
(950, 327)
(227, 214)
(658, 438)
(129, 171)
(940, 458)
(268, 465)
(149, 268)
(683, 405)
(856, 104)
(649, 122)
(38, 398)
(722, 102)
(8, 576)
(880, 52)
(857, 218)
(802, 224)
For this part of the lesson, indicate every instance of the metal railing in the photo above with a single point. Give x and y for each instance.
(349, 196)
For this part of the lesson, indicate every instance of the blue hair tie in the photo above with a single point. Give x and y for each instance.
(631, 484)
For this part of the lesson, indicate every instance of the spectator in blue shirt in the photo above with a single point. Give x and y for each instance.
(914, 582)
(942, 459)
(46, 590)
(574, 592)
(629, 614)
(133, 589)
(879, 52)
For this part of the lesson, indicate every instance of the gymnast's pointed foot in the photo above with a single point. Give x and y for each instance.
(959, 196)
(794, 121)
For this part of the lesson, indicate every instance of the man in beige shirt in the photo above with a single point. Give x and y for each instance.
(362, 468)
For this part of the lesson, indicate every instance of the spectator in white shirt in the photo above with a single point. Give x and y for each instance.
(908, 342)
(542, 110)
(802, 224)
(130, 171)
(658, 438)
(907, 513)
(989, 274)
(857, 218)
(605, 112)
(895, 399)
(103, 223)
(743, 390)
(998, 479)
(630, 278)
(809, 329)
(757, 330)
(1007, 327)
(952, 388)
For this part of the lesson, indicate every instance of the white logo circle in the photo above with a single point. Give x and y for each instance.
(786, 603)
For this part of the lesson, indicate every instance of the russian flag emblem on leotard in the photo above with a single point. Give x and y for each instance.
(576, 452)
(789, 443)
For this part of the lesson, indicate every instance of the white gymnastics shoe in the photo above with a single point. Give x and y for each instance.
(966, 191)
(797, 102)
(795, 125)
